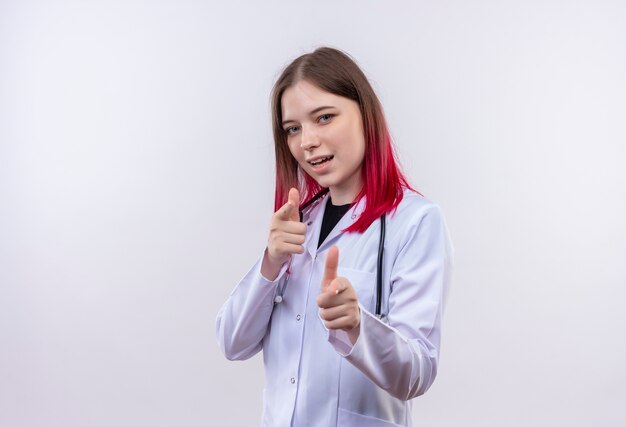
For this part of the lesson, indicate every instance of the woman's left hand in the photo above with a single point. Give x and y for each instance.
(337, 299)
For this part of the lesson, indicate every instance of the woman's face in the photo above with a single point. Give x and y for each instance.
(325, 135)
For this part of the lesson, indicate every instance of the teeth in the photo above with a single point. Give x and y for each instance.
(322, 160)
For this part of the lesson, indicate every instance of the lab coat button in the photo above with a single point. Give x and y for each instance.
(298, 317)
(293, 380)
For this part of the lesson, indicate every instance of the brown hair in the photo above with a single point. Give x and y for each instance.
(335, 72)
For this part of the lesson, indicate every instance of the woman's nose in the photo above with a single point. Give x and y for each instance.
(310, 139)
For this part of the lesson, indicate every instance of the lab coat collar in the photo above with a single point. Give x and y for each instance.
(315, 223)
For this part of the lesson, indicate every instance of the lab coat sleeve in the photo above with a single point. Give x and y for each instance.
(243, 319)
(401, 357)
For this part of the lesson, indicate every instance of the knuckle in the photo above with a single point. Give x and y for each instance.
(274, 241)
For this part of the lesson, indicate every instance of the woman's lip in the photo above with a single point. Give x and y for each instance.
(322, 167)
(315, 159)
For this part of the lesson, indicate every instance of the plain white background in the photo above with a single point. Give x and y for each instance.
(136, 185)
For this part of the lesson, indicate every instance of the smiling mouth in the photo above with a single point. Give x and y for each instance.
(321, 161)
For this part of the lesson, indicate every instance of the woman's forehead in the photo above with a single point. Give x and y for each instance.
(303, 97)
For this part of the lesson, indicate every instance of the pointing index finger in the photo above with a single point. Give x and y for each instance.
(294, 198)
(289, 211)
(330, 268)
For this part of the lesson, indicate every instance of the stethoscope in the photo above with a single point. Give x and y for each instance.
(379, 267)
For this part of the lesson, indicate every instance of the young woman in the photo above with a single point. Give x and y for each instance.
(347, 298)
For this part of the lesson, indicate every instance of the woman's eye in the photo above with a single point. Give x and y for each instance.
(291, 130)
(325, 118)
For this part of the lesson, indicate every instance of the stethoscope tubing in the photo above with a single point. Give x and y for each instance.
(379, 267)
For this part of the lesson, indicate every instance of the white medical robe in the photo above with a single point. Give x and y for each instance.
(316, 377)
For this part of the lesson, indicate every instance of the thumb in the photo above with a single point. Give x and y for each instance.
(294, 198)
(330, 269)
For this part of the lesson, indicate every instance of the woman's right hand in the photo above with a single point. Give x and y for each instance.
(286, 237)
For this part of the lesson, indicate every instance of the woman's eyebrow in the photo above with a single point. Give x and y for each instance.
(317, 110)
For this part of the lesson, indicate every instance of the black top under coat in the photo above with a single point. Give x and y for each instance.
(332, 215)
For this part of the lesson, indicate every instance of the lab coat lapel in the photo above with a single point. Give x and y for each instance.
(314, 224)
(346, 221)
